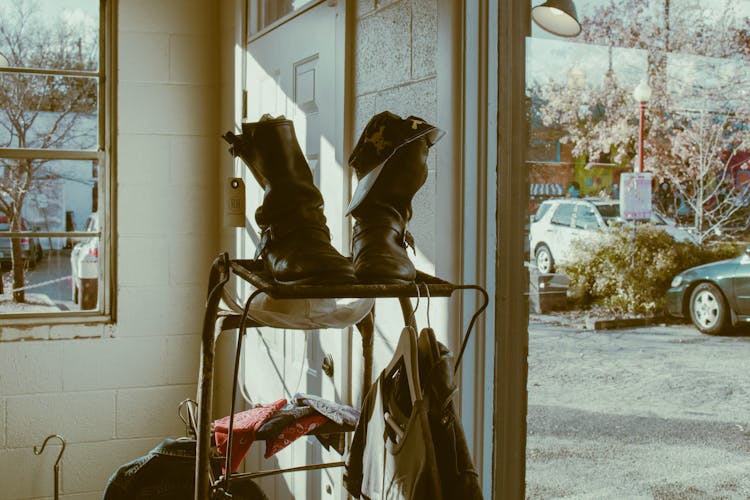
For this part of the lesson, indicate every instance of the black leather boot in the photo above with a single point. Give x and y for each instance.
(391, 163)
(295, 242)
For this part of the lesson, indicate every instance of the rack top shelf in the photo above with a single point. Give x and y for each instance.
(255, 273)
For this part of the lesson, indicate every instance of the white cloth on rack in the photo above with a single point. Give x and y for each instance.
(309, 314)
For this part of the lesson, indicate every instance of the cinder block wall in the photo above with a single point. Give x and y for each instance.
(115, 397)
(395, 70)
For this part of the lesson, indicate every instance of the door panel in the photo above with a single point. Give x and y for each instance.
(291, 71)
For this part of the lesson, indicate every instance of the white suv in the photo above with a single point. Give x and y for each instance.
(558, 222)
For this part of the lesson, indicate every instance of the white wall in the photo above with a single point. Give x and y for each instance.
(115, 397)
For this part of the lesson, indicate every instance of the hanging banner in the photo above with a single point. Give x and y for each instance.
(635, 195)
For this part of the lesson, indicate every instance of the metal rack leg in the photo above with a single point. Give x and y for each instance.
(218, 276)
(366, 329)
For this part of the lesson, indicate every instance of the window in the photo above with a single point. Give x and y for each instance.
(54, 159)
(265, 14)
(563, 214)
(586, 218)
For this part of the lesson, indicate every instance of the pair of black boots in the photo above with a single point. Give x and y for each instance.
(390, 160)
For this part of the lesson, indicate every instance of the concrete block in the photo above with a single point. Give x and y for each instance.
(143, 159)
(80, 416)
(25, 475)
(194, 210)
(2, 423)
(143, 57)
(168, 109)
(383, 50)
(92, 495)
(88, 466)
(424, 224)
(193, 159)
(188, 254)
(364, 110)
(136, 218)
(183, 359)
(166, 310)
(109, 363)
(193, 59)
(28, 368)
(62, 331)
(423, 38)
(365, 7)
(143, 262)
(418, 99)
(152, 411)
(8, 333)
(168, 16)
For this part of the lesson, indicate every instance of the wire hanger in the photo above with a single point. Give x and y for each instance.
(406, 353)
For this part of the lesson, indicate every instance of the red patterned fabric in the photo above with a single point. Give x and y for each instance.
(246, 425)
(299, 428)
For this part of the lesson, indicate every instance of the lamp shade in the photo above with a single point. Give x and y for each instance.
(558, 17)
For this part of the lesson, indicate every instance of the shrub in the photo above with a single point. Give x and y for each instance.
(630, 274)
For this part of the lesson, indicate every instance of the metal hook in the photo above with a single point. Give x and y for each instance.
(427, 292)
(39, 450)
(413, 318)
(188, 421)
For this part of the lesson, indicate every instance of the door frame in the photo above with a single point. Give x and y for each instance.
(512, 280)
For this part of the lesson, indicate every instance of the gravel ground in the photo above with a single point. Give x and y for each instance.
(657, 412)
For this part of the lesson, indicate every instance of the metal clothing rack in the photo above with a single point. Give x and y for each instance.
(215, 321)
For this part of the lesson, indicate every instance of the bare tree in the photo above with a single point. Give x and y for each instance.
(698, 119)
(37, 110)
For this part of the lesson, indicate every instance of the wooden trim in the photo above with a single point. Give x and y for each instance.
(511, 302)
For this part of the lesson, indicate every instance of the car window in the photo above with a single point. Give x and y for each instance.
(609, 211)
(586, 217)
(543, 209)
(563, 215)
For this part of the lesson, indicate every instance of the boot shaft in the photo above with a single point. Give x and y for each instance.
(271, 151)
(402, 176)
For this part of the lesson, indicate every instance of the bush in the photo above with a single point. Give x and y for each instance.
(630, 275)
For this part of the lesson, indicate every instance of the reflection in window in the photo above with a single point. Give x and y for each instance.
(52, 143)
(696, 135)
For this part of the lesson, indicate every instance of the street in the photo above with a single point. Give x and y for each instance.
(656, 412)
(49, 281)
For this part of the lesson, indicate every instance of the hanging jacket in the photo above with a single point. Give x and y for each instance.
(167, 472)
(455, 474)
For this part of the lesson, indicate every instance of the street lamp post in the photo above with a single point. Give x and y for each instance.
(641, 93)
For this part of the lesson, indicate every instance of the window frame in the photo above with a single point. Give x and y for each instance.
(104, 156)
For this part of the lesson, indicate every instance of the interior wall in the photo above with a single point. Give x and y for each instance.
(113, 398)
(395, 63)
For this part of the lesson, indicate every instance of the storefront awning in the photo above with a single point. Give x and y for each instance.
(546, 189)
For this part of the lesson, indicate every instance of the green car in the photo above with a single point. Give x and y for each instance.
(716, 296)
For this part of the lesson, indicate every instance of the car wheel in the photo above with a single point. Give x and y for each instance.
(708, 309)
(544, 261)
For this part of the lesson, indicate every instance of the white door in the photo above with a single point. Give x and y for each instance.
(292, 71)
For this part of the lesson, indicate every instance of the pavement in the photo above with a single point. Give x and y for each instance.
(659, 411)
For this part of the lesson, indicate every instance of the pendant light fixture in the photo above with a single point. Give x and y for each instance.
(558, 17)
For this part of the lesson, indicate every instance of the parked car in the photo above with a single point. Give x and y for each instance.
(84, 265)
(31, 248)
(560, 221)
(716, 296)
